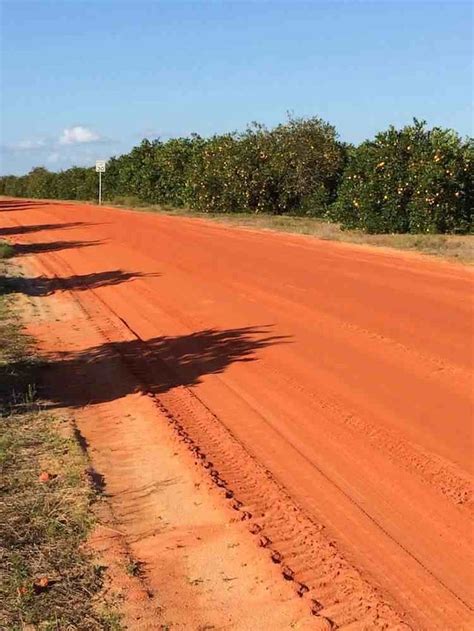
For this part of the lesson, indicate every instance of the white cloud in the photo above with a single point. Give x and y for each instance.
(27, 145)
(77, 145)
(78, 135)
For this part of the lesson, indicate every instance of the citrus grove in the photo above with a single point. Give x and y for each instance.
(412, 179)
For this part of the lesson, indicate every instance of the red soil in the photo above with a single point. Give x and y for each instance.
(327, 387)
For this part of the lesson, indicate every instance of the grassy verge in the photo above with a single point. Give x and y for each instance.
(47, 579)
(458, 248)
(6, 250)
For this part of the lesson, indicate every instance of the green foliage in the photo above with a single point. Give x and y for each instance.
(75, 183)
(40, 183)
(409, 180)
(13, 186)
(6, 250)
(292, 169)
(214, 176)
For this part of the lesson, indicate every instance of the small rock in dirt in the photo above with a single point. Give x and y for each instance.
(41, 584)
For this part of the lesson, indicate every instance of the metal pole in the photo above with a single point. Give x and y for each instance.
(100, 188)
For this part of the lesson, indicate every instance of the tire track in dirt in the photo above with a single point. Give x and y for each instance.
(439, 473)
(337, 594)
(134, 492)
(434, 470)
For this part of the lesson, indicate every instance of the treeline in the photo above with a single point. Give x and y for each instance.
(410, 180)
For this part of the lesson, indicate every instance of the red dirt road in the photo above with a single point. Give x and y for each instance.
(329, 385)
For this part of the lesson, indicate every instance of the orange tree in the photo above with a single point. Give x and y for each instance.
(408, 180)
(75, 183)
(173, 162)
(304, 161)
(293, 168)
(442, 176)
(212, 184)
(13, 185)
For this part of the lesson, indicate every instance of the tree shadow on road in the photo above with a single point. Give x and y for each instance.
(44, 286)
(11, 384)
(22, 249)
(113, 370)
(17, 204)
(10, 230)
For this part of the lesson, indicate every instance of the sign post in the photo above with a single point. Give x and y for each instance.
(100, 168)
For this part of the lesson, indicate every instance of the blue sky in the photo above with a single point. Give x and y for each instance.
(86, 80)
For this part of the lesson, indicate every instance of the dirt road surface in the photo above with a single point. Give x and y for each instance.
(326, 389)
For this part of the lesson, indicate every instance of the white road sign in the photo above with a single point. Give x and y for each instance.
(100, 168)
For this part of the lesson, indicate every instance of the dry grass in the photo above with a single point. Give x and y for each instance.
(459, 248)
(47, 580)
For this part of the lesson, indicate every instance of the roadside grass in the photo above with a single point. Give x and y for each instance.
(459, 248)
(48, 580)
(6, 250)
